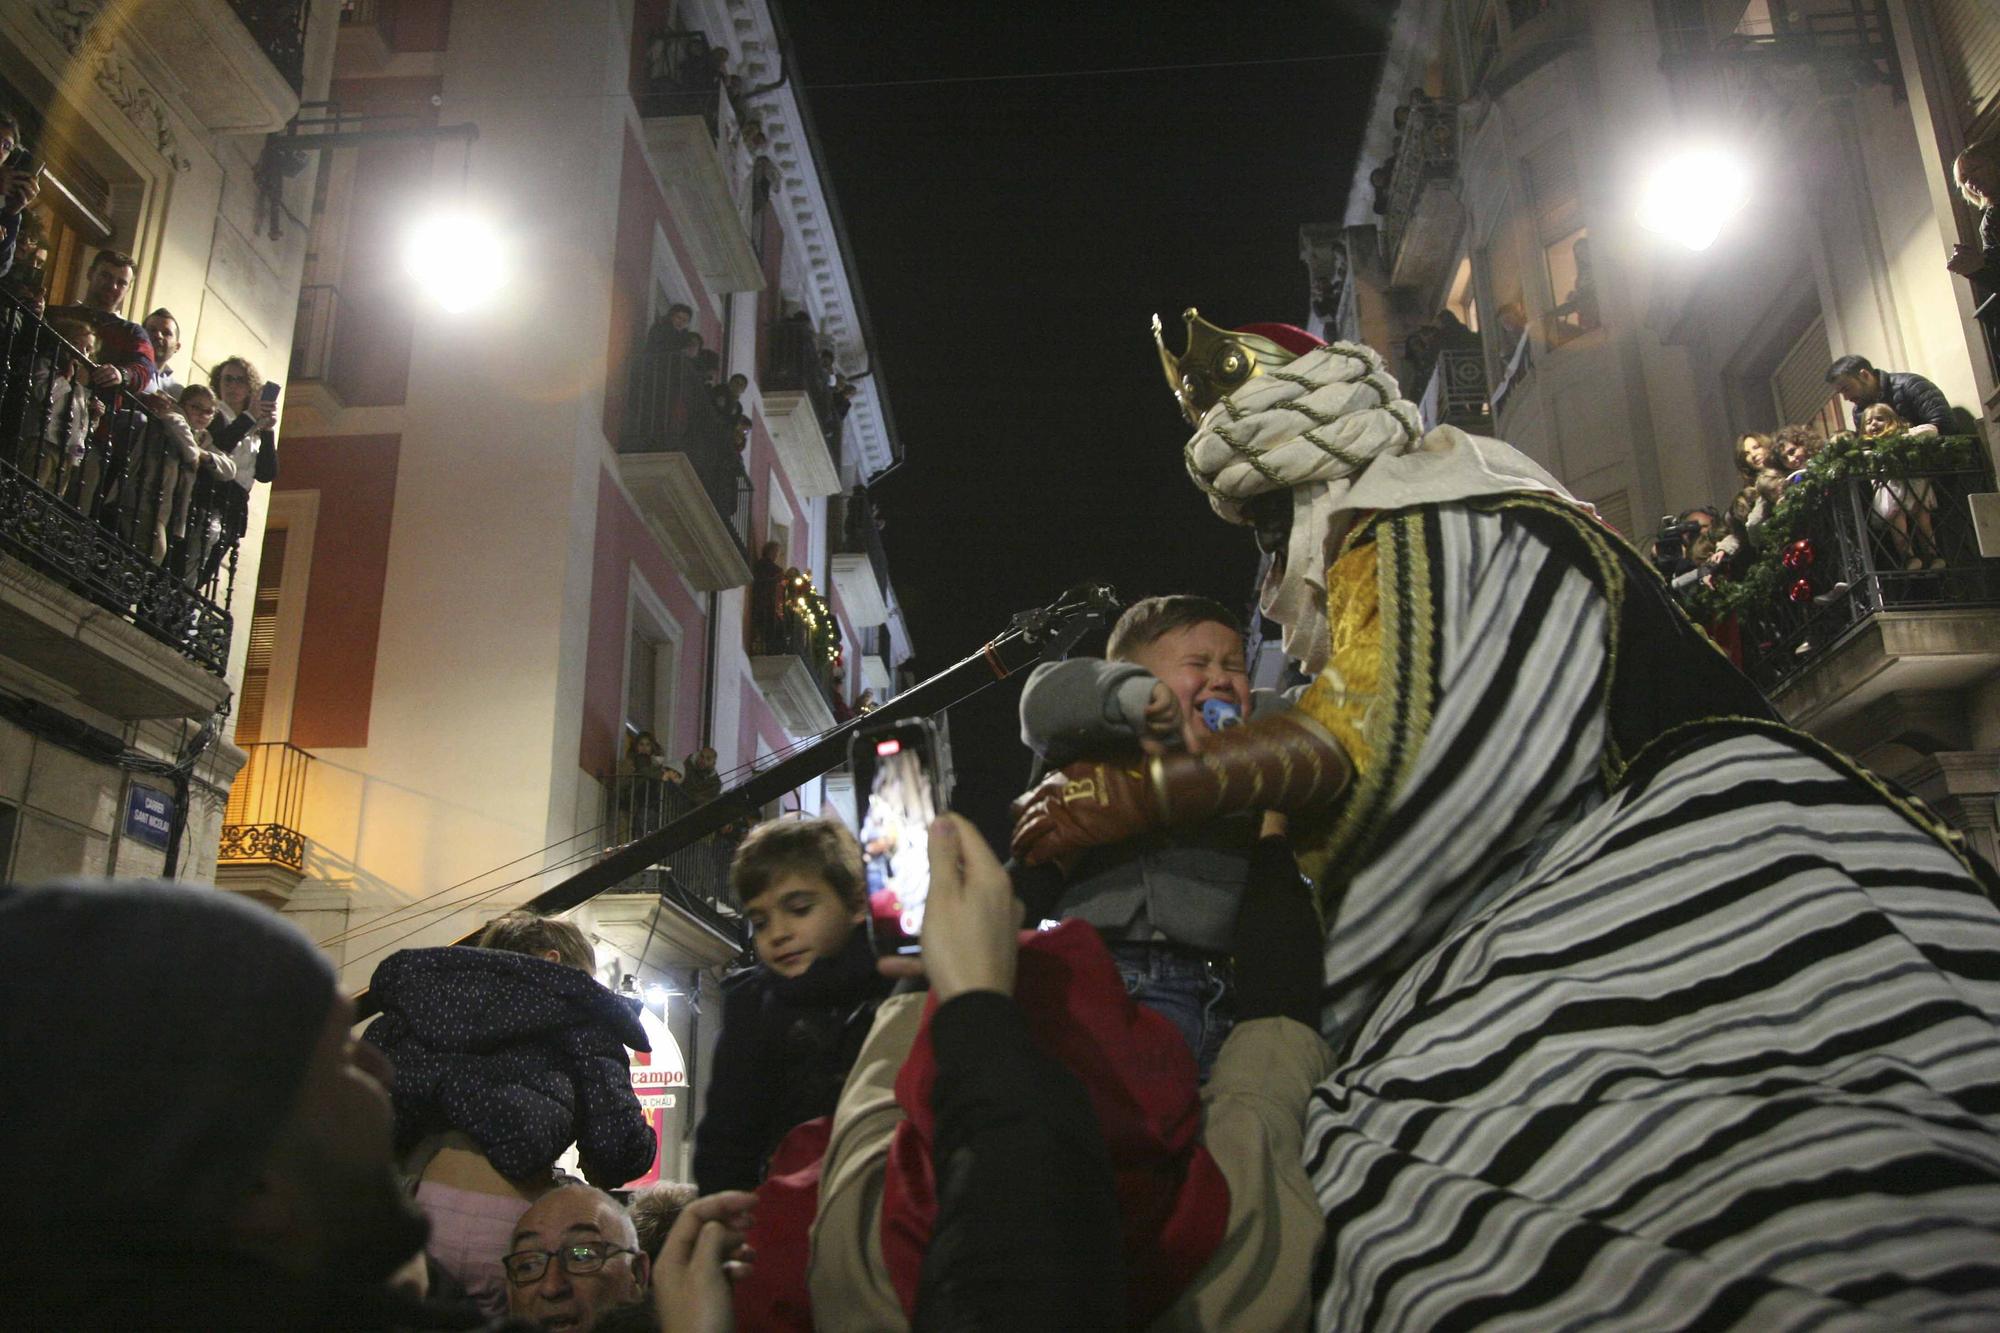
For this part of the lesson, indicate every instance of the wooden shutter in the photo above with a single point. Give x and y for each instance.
(1616, 509)
(1799, 390)
(1969, 41)
(263, 640)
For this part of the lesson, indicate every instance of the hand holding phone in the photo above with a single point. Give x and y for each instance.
(972, 930)
(896, 768)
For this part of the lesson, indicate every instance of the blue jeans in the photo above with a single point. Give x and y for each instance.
(1195, 996)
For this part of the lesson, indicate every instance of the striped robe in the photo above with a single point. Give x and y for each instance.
(1648, 1018)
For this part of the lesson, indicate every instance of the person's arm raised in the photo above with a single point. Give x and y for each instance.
(1283, 761)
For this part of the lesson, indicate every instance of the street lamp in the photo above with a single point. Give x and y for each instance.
(457, 258)
(1691, 195)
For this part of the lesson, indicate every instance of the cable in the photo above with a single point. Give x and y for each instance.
(451, 888)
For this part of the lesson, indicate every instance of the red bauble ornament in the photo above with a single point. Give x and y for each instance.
(1800, 591)
(1799, 555)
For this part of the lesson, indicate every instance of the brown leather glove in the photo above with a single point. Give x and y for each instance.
(1283, 762)
(1081, 806)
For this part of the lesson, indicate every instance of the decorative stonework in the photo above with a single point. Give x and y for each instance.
(75, 23)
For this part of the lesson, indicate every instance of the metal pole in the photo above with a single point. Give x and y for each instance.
(1047, 632)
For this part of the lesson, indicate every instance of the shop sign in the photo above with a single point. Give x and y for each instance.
(149, 815)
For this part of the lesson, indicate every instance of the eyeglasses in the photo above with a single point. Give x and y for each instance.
(525, 1266)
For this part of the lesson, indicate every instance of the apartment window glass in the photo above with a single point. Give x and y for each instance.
(642, 684)
(1564, 243)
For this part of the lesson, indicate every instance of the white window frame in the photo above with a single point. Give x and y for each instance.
(297, 512)
(646, 614)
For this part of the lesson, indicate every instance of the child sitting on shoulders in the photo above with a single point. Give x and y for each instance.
(1165, 903)
(506, 1054)
(793, 1024)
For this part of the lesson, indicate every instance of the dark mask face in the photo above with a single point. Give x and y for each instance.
(1270, 516)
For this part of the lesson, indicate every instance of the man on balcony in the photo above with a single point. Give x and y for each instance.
(125, 351)
(164, 331)
(17, 190)
(1916, 400)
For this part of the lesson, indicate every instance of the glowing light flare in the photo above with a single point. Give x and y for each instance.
(457, 258)
(1693, 195)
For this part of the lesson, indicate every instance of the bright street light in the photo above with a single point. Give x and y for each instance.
(1693, 194)
(457, 258)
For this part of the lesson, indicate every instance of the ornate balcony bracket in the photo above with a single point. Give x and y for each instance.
(670, 494)
(801, 443)
(234, 81)
(698, 167)
(793, 694)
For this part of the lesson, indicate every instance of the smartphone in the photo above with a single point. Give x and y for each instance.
(271, 390)
(896, 771)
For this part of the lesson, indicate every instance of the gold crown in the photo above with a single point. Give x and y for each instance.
(1217, 362)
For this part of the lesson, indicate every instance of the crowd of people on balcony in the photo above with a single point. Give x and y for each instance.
(680, 399)
(99, 420)
(1707, 547)
(1381, 177)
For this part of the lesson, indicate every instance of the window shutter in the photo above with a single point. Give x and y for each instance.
(1616, 509)
(1969, 37)
(1798, 386)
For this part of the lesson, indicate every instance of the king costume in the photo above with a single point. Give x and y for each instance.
(1648, 1011)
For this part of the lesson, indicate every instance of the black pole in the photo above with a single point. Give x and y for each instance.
(1031, 636)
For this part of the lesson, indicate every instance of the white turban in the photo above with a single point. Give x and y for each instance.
(1333, 428)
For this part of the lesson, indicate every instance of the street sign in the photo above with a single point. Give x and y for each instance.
(149, 815)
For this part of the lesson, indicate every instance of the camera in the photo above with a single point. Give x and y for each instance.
(1671, 542)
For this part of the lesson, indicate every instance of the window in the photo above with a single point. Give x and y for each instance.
(1969, 42)
(1565, 245)
(251, 701)
(1503, 278)
(1460, 298)
(652, 657)
(1799, 392)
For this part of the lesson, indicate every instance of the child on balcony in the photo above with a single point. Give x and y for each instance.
(190, 453)
(64, 409)
(793, 1024)
(1905, 505)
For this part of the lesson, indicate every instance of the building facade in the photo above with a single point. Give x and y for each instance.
(511, 540)
(1501, 189)
(118, 670)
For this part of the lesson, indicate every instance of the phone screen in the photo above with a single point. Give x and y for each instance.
(896, 771)
(271, 390)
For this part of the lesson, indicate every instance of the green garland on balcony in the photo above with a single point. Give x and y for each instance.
(1845, 455)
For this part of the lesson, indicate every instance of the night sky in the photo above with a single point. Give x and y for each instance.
(1012, 238)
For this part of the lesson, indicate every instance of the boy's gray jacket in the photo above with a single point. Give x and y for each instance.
(1184, 885)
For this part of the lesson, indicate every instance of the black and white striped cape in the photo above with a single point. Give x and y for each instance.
(1646, 1021)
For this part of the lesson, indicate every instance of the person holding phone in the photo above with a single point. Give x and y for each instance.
(246, 418)
(20, 183)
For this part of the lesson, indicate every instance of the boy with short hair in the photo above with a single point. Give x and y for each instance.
(1165, 903)
(793, 1024)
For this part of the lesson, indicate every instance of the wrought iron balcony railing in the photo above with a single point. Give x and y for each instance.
(853, 526)
(1892, 537)
(90, 487)
(673, 409)
(262, 822)
(1456, 393)
(279, 27)
(694, 878)
(793, 362)
(1426, 151)
(1722, 57)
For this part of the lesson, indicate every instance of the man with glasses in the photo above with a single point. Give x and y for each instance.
(575, 1257)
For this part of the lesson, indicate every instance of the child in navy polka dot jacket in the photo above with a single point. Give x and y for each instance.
(505, 1055)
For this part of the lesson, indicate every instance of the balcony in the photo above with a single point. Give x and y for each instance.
(791, 630)
(683, 900)
(312, 390)
(1872, 585)
(263, 851)
(1420, 228)
(679, 461)
(697, 149)
(799, 407)
(860, 565)
(84, 599)
(1455, 394)
(1737, 63)
(237, 65)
